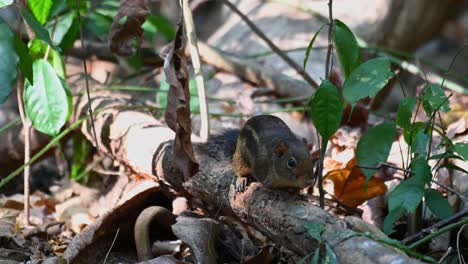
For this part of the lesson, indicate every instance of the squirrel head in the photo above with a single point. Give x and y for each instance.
(293, 163)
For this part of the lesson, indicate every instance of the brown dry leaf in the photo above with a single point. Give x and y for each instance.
(177, 114)
(126, 31)
(349, 185)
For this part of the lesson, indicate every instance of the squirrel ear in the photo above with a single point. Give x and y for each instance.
(281, 148)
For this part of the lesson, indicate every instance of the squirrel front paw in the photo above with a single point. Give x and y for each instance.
(241, 184)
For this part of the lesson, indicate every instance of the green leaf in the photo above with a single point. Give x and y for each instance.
(407, 194)
(315, 258)
(454, 167)
(311, 44)
(46, 101)
(434, 99)
(62, 24)
(405, 111)
(315, 229)
(40, 32)
(410, 134)
(331, 255)
(8, 61)
(4, 3)
(421, 170)
(346, 47)
(163, 26)
(25, 59)
(420, 142)
(326, 109)
(58, 7)
(374, 146)
(99, 24)
(437, 203)
(367, 80)
(445, 155)
(462, 149)
(393, 216)
(40, 9)
(164, 87)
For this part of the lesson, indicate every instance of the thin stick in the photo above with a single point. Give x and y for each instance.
(437, 233)
(78, 16)
(27, 149)
(330, 43)
(385, 165)
(272, 46)
(112, 245)
(194, 53)
(436, 226)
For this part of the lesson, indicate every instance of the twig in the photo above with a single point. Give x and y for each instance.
(449, 189)
(194, 53)
(461, 259)
(27, 146)
(90, 109)
(112, 245)
(436, 226)
(330, 43)
(437, 233)
(272, 46)
(385, 165)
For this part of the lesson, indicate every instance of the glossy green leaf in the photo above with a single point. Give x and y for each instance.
(433, 99)
(410, 134)
(8, 61)
(420, 142)
(40, 9)
(407, 194)
(346, 47)
(393, 216)
(4, 3)
(421, 170)
(315, 230)
(46, 101)
(367, 80)
(374, 146)
(462, 149)
(437, 203)
(58, 7)
(25, 59)
(40, 32)
(62, 24)
(315, 258)
(331, 257)
(311, 44)
(326, 109)
(163, 25)
(405, 111)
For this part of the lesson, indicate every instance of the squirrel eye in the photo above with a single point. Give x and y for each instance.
(291, 162)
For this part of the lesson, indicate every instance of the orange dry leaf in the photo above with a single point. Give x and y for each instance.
(349, 185)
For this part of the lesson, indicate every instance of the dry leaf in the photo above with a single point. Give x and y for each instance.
(126, 31)
(177, 114)
(349, 185)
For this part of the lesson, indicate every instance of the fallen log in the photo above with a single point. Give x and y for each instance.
(142, 143)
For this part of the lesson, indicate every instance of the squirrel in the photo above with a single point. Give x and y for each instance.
(267, 151)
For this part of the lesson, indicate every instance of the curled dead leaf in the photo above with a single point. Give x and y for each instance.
(349, 185)
(177, 114)
(126, 31)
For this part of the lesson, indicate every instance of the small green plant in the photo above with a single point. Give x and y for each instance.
(324, 253)
(365, 80)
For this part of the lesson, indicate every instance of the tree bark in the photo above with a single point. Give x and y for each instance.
(409, 24)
